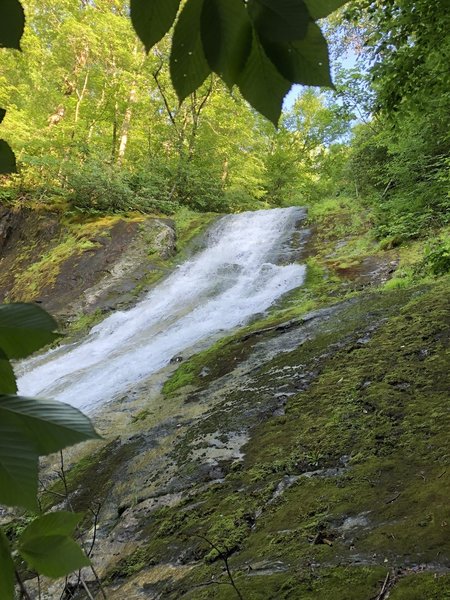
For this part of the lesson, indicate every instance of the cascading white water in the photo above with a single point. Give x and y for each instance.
(221, 287)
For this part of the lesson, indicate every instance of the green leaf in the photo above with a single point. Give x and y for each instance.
(6, 569)
(304, 61)
(2, 114)
(7, 379)
(188, 65)
(280, 20)
(30, 428)
(226, 36)
(318, 9)
(46, 544)
(18, 467)
(261, 84)
(54, 523)
(152, 19)
(12, 23)
(24, 328)
(49, 424)
(7, 159)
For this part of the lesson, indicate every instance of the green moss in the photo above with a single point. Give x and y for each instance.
(376, 410)
(84, 322)
(422, 586)
(29, 283)
(189, 224)
(138, 560)
(91, 478)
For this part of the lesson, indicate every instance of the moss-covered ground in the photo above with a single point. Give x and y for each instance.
(343, 493)
(342, 488)
(364, 449)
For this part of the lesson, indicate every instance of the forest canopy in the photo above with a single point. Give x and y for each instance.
(97, 124)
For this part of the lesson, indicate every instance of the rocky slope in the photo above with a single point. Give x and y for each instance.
(305, 456)
(81, 268)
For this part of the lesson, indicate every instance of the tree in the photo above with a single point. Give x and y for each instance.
(262, 46)
(402, 152)
(298, 150)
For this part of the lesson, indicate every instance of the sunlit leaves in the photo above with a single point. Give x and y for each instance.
(30, 428)
(47, 544)
(227, 37)
(152, 19)
(12, 23)
(188, 65)
(7, 159)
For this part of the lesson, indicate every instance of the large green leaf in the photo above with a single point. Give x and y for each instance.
(261, 84)
(280, 20)
(226, 36)
(152, 19)
(18, 467)
(7, 380)
(47, 544)
(7, 159)
(304, 61)
(12, 23)
(24, 328)
(188, 65)
(6, 569)
(30, 428)
(318, 9)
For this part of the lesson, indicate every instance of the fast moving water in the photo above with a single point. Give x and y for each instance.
(235, 277)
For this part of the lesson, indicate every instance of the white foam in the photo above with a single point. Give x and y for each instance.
(219, 288)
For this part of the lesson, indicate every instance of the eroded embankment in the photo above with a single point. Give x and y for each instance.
(80, 268)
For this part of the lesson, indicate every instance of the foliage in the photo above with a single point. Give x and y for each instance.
(83, 59)
(305, 149)
(399, 155)
(437, 256)
(263, 46)
(30, 428)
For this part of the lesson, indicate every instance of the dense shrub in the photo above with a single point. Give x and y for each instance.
(96, 188)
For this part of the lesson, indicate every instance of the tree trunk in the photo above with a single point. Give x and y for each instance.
(125, 130)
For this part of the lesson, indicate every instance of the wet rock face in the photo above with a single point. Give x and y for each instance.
(79, 271)
(24, 236)
(321, 500)
(311, 454)
(103, 278)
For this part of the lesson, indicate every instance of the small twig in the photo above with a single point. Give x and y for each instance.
(383, 590)
(393, 499)
(23, 590)
(62, 475)
(227, 567)
(442, 474)
(86, 589)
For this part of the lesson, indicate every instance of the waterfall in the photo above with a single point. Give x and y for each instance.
(240, 272)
